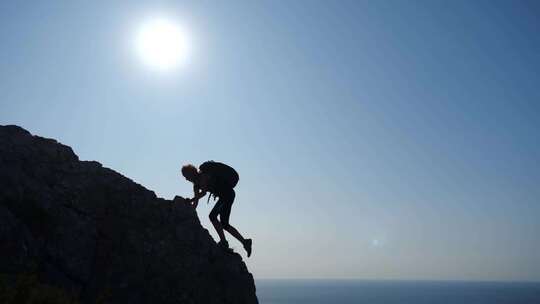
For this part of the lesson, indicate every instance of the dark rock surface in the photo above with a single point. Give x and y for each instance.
(99, 235)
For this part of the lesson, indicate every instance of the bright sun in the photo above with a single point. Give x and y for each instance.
(162, 44)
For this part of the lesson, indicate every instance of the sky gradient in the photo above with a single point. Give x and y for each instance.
(374, 140)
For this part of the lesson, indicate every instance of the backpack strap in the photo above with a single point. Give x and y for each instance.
(209, 195)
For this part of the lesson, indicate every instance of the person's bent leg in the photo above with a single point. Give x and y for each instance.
(224, 218)
(219, 230)
(217, 225)
(228, 199)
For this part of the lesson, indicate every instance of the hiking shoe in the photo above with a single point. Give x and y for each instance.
(247, 246)
(223, 244)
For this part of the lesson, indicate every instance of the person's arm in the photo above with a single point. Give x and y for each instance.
(198, 193)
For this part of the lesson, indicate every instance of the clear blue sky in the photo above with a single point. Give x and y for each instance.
(382, 139)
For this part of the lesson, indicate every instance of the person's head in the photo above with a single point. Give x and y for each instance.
(190, 172)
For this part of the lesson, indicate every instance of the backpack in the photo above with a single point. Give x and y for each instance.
(222, 174)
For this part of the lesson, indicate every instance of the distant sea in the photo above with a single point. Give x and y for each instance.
(271, 291)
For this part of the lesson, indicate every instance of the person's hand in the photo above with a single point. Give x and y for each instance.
(194, 202)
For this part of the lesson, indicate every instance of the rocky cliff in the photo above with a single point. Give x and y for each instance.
(88, 234)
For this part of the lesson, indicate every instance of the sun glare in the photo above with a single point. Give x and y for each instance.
(162, 44)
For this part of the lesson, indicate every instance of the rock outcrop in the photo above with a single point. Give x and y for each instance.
(101, 237)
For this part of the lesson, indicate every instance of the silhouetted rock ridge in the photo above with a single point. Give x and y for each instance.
(102, 237)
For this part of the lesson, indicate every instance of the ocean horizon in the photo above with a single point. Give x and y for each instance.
(323, 291)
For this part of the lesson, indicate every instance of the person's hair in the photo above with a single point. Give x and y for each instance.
(189, 172)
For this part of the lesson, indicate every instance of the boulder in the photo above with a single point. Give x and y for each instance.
(100, 237)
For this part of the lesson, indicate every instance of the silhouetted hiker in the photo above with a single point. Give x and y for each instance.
(219, 179)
